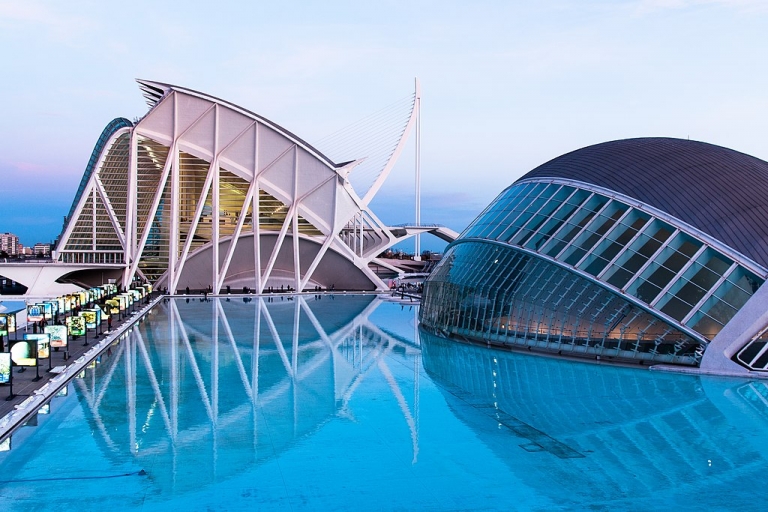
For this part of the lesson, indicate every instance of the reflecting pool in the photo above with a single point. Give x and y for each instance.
(340, 403)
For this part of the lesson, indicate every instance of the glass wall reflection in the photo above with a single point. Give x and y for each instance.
(620, 433)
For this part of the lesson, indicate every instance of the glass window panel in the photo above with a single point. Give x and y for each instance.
(684, 290)
(594, 264)
(718, 310)
(616, 240)
(734, 296)
(715, 262)
(594, 232)
(666, 266)
(729, 297)
(676, 307)
(596, 203)
(704, 278)
(579, 197)
(638, 253)
(504, 203)
(707, 325)
(699, 277)
(574, 226)
(557, 220)
(539, 218)
(745, 280)
(661, 231)
(530, 228)
(527, 209)
(512, 211)
(647, 290)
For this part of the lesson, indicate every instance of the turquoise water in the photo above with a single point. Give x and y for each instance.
(338, 403)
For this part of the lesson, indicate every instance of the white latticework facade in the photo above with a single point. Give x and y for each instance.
(202, 193)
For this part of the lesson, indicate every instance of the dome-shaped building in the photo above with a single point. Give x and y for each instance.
(652, 250)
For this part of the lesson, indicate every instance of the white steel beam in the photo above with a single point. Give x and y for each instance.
(215, 205)
(153, 210)
(173, 249)
(130, 208)
(111, 213)
(255, 213)
(93, 218)
(236, 235)
(195, 221)
(295, 224)
(278, 244)
(76, 215)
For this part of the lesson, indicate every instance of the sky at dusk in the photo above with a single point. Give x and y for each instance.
(506, 86)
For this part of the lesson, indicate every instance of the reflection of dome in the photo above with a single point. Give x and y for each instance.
(640, 249)
(609, 432)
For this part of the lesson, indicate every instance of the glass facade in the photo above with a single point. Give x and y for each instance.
(547, 264)
(93, 238)
(503, 295)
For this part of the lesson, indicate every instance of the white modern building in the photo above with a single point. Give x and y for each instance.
(202, 193)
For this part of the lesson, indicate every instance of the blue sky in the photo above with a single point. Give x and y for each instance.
(506, 85)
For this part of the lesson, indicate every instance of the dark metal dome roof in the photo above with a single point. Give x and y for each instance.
(717, 190)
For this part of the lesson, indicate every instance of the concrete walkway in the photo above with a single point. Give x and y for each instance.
(25, 383)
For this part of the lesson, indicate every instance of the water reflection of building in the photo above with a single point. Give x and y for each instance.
(610, 433)
(168, 396)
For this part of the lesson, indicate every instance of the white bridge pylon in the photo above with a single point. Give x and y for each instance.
(290, 371)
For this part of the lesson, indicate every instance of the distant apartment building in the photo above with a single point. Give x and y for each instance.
(44, 249)
(9, 243)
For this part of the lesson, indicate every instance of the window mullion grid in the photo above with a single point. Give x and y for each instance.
(500, 215)
(651, 259)
(606, 235)
(640, 232)
(509, 299)
(585, 228)
(576, 210)
(506, 306)
(711, 291)
(533, 215)
(468, 269)
(491, 267)
(550, 216)
(486, 289)
(504, 261)
(479, 291)
(520, 306)
(526, 199)
(678, 276)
